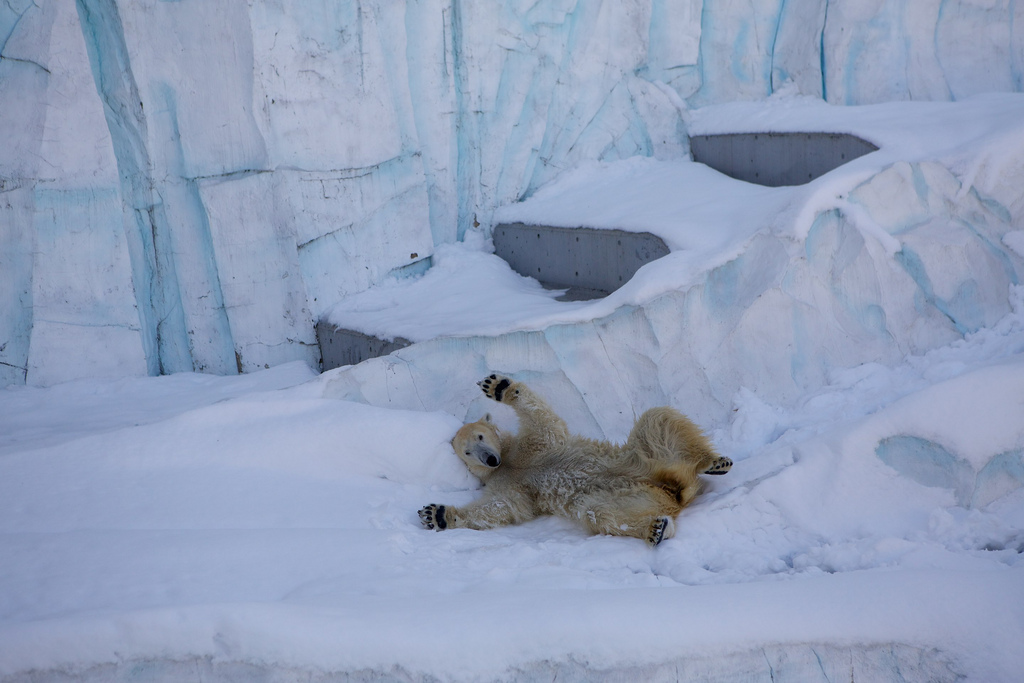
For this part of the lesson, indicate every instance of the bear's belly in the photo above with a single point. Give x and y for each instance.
(555, 490)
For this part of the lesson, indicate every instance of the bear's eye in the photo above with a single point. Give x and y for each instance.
(468, 453)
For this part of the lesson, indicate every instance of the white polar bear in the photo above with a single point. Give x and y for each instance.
(634, 489)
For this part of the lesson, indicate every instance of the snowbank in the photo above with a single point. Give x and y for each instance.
(253, 528)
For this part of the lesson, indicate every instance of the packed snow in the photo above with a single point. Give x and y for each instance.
(855, 344)
(232, 525)
(223, 528)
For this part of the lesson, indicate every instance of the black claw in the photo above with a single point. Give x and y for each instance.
(657, 533)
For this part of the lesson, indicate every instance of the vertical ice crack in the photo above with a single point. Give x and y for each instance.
(821, 55)
(1016, 56)
(164, 337)
(938, 53)
(821, 665)
(359, 38)
(466, 148)
(771, 53)
(771, 669)
(915, 268)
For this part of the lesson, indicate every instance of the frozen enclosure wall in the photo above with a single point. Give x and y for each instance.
(188, 185)
(910, 260)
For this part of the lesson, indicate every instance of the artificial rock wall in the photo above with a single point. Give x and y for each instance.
(187, 185)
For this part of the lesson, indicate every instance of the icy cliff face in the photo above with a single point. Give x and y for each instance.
(186, 186)
(861, 266)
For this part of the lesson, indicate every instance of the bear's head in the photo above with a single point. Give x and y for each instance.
(479, 446)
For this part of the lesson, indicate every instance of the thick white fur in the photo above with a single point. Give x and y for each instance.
(633, 489)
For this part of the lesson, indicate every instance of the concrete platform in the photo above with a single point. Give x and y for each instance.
(589, 263)
(776, 159)
(339, 347)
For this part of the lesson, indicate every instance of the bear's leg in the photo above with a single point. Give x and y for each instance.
(641, 512)
(667, 436)
(486, 513)
(537, 421)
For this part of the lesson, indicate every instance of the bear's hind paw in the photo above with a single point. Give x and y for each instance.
(432, 517)
(494, 386)
(720, 466)
(662, 528)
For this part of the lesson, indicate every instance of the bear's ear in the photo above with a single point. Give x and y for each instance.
(487, 417)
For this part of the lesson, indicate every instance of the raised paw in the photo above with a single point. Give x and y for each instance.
(720, 466)
(495, 386)
(432, 517)
(662, 528)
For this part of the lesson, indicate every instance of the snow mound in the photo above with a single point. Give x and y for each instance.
(271, 530)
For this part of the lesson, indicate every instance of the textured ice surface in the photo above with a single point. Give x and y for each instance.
(352, 137)
(768, 290)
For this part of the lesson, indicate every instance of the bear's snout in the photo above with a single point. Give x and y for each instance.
(487, 455)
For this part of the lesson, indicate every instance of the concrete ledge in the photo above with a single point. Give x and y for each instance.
(339, 347)
(776, 159)
(590, 263)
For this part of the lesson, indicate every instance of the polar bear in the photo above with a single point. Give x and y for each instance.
(634, 489)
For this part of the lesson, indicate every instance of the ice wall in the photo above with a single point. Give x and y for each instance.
(905, 261)
(187, 185)
(855, 52)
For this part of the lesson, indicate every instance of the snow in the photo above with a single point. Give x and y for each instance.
(253, 521)
(227, 528)
(187, 187)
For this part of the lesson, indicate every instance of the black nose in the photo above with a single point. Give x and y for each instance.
(492, 461)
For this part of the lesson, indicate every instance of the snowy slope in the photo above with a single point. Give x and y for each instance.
(208, 528)
(872, 528)
(188, 186)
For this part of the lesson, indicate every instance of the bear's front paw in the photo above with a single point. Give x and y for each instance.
(496, 387)
(662, 528)
(432, 517)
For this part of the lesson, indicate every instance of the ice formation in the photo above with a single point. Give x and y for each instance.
(188, 187)
(769, 290)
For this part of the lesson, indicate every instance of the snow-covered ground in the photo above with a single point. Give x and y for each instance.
(855, 344)
(197, 526)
